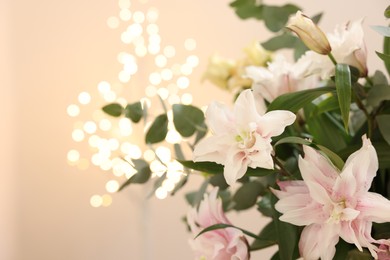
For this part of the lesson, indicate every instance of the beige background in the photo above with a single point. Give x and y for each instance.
(52, 50)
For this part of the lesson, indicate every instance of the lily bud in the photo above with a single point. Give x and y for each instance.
(311, 35)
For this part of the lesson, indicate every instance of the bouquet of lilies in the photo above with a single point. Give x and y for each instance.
(306, 142)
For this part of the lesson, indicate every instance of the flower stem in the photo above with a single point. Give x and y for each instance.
(369, 81)
(331, 57)
(363, 108)
(281, 166)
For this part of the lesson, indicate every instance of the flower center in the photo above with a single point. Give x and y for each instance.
(337, 212)
(246, 140)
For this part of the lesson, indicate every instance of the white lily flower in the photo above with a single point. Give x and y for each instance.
(281, 77)
(242, 137)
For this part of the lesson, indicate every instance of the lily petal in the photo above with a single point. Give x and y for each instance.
(274, 122)
(245, 111)
(365, 163)
(318, 241)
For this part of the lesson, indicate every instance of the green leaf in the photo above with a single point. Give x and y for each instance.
(265, 205)
(387, 12)
(342, 249)
(287, 236)
(357, 255)
(384, 57)
(143, 173)
(326, 131)
(157, 184)
(384, 126)
(214, 168)
(209, 167)
(344, 88)
(113, 109)
(383, 30)
(187, 119)
(222, 226)
(218, 180)
(377, 94)
(195, 197)
(268, 238)
(329, 104)
(386, 52)
(293, 140)
(200, 133)
(179, 152)
(158, 130)
(247, 9)
(285, 40)
(379, 78)
(296, 100)
(276, 17)
(246, 196)
(336, 160)
(134, 112)
(317, 18)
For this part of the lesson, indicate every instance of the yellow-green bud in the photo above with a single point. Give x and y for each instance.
(311, 35)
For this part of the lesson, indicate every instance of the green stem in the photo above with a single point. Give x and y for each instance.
(369, 81)
(363, 108)
(331, 57)
(281, 166)
(163, 104)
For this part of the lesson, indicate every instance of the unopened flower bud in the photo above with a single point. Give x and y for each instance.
(311, 35)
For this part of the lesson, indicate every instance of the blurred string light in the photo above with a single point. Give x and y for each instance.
(107, 137)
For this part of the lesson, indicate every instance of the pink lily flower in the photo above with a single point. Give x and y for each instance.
(219, 244)
(242, 137)
(333, 204)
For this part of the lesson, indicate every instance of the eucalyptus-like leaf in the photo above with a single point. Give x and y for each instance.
(379, 78)
(134, 112)
(386, 53)
(187, 119)
(285, 40)
(195, 197)
(113, 109)
(384, 126)
(178, 152)
(344, 89)
(377, 94)
(297, 100)
(158, 130)
(264, 206)
(143, 173)
(218, 180)
(247, 9)
(383, 30)
(268, 238)
(157, 184)
(246, 196)
(222, 226)
(276, 17)
(387, 12)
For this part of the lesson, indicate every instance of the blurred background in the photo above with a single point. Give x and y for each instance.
(51, 51)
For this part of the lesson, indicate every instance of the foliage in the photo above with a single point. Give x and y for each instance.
(331, 118)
